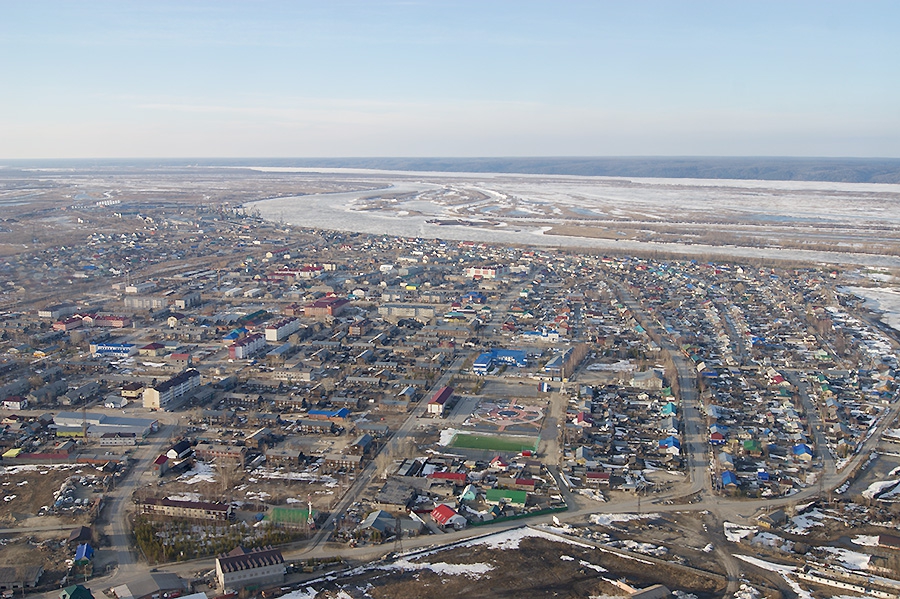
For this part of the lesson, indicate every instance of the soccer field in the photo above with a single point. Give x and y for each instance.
(495, 443)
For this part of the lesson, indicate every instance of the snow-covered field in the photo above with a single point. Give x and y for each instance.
(885, 301)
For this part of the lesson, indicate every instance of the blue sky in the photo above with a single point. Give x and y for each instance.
(433, 78)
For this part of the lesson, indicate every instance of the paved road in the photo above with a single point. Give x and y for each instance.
(364, 478)
(695, 449)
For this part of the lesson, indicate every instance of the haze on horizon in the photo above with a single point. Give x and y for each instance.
(379, 78)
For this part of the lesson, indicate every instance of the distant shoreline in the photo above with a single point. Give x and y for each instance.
(834, 170)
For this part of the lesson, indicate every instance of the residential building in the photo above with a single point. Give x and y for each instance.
(194, 510)
(162, 393)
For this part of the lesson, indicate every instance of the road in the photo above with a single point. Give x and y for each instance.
(695, 450)
(364, 478)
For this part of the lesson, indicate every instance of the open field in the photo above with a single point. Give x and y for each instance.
(496, 443)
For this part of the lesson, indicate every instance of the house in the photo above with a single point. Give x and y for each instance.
(118, 439)
(76, 591)
(726, 460)
(383, 524)
(21, 576)
(445, 516)
(773, 519)
(84, 553)
(213, 451)
(154, 586)
(647, 380)
(716, 438)
(15, 402)
(596, 479)
(82, 534)
(657, 591)
(339, 462)
(379, 522)
(179, 450)
(250, 567)
(468, 494)
(438, 404)
(802, 452)
(752, 448)
(457, 478)
(729, 479)
(161, 464)
(670, 445)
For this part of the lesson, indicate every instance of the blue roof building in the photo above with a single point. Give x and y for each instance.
(802, 451)
(329, 414)
(729, 479)
(84, 553)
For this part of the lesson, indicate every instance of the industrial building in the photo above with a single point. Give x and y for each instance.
(249, 567)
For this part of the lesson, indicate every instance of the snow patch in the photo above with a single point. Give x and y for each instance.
(470, 570)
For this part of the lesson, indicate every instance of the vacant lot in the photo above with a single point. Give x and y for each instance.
(518, 563)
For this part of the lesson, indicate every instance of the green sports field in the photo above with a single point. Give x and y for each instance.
(494, 443)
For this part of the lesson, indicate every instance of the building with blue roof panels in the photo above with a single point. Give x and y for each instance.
(802, 451)
(84, 553)
(113, 350)
(483, 363)
(339, 414)
(729, 479)
(512, 357)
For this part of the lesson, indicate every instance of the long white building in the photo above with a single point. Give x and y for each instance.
(162, 393)
(242, 567)
(282, 329)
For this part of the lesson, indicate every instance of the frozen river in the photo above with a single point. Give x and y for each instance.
(520, 210)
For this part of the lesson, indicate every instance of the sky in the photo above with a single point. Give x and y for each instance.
(336, 78)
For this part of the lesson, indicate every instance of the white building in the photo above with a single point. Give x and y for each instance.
(162, 393)
(242, 567)
(246, 346)
(282, 329)
(486, 272)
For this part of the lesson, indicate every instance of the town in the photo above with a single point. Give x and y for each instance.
(195, 399)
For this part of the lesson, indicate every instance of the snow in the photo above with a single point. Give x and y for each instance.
(202, 473)
(747, 592)
(780, 569)
(594, 567)
(510, 539)
(865, 540)
(591, 494)
(307, 593)
(609, 519)
(883, 300)
(736, 532)
(852, 560)
(879, 487)
(769, 540)
(441, 568)
(42, 468)
(185, 497)
(447, 436)
(771, 566)
(620, 366)
(801, 524)
(648, 198)
(309, 477)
